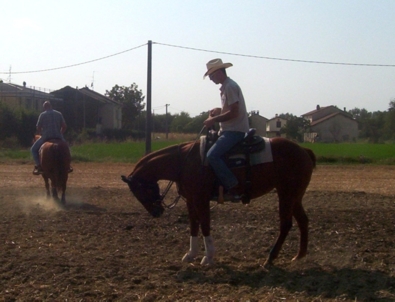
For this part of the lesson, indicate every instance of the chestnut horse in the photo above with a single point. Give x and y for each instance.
(55, 161)
(289, 173)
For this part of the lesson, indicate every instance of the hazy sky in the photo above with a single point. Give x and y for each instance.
(260, 38)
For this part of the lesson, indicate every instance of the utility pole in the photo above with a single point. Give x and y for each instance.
(167, 130)
(148, 124)
(9, 75)
(153, 123)
(93, 81)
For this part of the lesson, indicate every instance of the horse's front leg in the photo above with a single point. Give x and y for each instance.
(203, 209)
(208, 259)
(199, 215)
(194, 231)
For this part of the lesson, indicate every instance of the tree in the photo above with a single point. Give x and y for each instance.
(179, 121)
(295, 126)
(196, 124)
(132, 99)
(389, 121)
(160, 121)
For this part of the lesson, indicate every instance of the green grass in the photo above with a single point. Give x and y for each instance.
(131, 152)
(127, 152)
(14, 155)
(354, 153)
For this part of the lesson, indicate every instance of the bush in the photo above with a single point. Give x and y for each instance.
(11, 143)
(86, 135)
(27, 128)
(122, 134)
(20, 124)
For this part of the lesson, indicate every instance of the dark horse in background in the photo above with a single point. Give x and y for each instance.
(55, 161)
(289, 173)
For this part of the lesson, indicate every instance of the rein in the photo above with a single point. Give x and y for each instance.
(170, 184)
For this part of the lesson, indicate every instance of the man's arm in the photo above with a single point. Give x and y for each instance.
(63, 127)
(223, 117)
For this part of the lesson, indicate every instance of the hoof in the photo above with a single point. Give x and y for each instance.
(298, 257)
(188, 258)
(207, 261)
(268, 264)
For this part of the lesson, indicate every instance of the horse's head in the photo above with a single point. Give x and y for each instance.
(147, 193)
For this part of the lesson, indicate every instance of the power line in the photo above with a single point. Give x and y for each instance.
(278, 59)
(78, 64)
(205, 50)
(159, 107)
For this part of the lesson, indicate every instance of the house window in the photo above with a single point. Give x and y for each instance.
(278, 124)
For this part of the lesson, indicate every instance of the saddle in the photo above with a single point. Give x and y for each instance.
(250, 144)
(239, 155)
(53, 140)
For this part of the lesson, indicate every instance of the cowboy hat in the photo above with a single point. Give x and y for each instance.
(214, 65)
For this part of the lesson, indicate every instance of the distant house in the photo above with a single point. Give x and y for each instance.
(274, 125)
(330, 124)
(20, 96)
(258, 122)
(84, 108)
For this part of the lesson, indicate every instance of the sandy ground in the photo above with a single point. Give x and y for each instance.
(104, 247)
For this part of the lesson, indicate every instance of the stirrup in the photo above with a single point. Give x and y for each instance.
(37, 170)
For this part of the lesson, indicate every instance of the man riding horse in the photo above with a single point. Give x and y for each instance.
(233, 120)
(50, 125)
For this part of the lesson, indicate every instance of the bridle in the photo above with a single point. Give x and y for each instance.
(163, 195)
(170, 184)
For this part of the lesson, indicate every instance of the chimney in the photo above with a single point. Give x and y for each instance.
(318, 107)
(24, 84)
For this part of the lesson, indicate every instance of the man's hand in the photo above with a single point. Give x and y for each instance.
(209, 122)
(215, 112)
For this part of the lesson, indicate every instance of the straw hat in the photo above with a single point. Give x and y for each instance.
(214, 65)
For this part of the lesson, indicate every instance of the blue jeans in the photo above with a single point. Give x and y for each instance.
(36, 148)
(225, 142)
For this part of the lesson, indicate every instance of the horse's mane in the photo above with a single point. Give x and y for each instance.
(167, 150)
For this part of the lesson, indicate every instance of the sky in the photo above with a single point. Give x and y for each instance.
(288, 56)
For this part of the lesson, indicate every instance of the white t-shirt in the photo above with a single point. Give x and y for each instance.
(231, 93)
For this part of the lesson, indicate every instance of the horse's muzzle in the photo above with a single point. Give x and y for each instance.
(157, 211)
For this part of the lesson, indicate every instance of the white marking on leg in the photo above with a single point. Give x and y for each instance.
(208, 259)
(193, 250)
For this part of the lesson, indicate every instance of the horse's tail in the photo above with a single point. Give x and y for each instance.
(312, 156)
(61, 164)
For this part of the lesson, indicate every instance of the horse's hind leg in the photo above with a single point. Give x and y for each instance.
(303, 224)
(285, 225)
(63, 199)
(55, 193)
(47, 186)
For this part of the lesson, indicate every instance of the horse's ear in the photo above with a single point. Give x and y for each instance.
(125, 179)
(132, 183)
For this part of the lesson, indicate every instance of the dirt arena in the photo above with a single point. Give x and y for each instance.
(104, 246)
